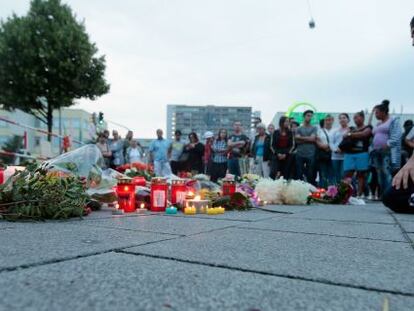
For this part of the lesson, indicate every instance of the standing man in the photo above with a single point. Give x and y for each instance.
(117, 147)
(159, 154)
(324, 152)
(176, 151)
(238, 143)
(306, 148)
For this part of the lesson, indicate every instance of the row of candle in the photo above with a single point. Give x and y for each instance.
(191, 210)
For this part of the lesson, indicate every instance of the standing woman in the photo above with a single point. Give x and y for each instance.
(195, 151)
(272, 155)
(386, 145)
(261, 151)
(282, 146)
(356, 158)
(337, 153)
(324, 153)
(220, 150)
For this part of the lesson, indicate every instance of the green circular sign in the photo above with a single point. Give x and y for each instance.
(296, 105)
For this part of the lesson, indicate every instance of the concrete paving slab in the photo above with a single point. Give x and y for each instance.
(404, 217)
(126, 282)
(408, 226)
(243, 216)
(32, 243)
(387, 232)
(286, 208)
(361, 213)
(368, 263)
(161, 224)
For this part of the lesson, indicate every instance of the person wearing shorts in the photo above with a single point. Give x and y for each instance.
(356, 159)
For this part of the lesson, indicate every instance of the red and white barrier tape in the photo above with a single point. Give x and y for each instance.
(38, 130)
(21, 155)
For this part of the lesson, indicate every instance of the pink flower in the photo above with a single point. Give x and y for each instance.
(332, 191)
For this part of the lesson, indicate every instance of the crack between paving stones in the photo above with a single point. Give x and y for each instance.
(52, 261)
(210, 231)
(164, 233)
(134, 230)
(286, 276)
(403, 231)
(321, 234)
(59, 260)
(345, 221)
(222, 219)
(274, 211)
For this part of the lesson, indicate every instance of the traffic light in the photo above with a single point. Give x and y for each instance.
(101, 118)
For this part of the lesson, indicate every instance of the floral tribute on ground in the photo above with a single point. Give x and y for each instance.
(73, 184)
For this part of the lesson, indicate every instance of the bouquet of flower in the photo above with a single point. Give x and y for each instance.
(38, 194)
(251, 179)
(248, 191)
(335, 194)
(134, 172)
(281, 191)
(271, 191)
(139, 166)
(185, 175)
(237, 201)
(297, 192)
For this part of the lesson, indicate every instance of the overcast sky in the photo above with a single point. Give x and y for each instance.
(258, 53)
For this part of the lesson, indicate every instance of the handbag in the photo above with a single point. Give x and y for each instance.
(346, 145)
(324, 155)
(184, 157)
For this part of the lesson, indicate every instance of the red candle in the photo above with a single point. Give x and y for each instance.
(178, 191)
(159, 192)
(1, 175)
(125, 191)
(229, 187)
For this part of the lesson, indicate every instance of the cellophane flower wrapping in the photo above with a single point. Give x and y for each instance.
(249, 192)
(270, 190)
(297, 192)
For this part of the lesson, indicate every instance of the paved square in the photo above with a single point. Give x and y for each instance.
(115, 281)
(287, 258)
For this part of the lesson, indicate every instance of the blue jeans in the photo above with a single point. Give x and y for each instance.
(338, 170)
(233, 166)
(381, 161)
(305, 167)
(326, 177)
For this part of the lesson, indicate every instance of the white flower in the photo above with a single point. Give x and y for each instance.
(270, 190)
(297, 192)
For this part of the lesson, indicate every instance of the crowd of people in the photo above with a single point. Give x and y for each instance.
(117, 151)
(368, 152)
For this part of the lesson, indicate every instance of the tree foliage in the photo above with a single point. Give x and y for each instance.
(13, 144)
(47, 54)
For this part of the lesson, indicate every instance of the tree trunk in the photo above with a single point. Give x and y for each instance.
(49, 120)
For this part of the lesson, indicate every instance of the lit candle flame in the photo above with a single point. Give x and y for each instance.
(142, 205)
(197, 198)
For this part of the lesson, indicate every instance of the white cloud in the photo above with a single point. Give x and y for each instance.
(258, 53)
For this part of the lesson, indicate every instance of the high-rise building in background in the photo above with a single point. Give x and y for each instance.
(200, 119)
